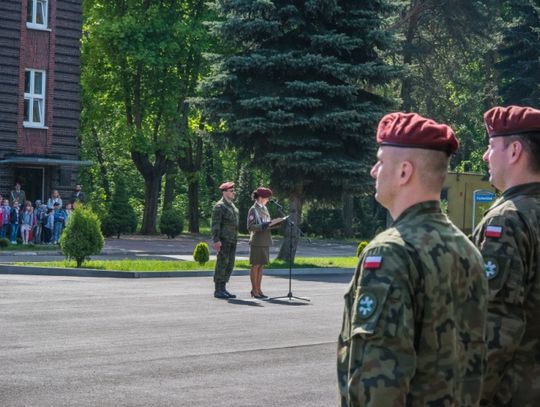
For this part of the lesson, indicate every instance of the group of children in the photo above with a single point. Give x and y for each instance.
(42, 224)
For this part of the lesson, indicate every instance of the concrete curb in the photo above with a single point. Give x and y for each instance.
(45, 271)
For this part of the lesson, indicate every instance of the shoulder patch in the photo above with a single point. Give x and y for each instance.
(372, 262)
(491, 269)
(367, 304)
(251, 217)
(493, 231)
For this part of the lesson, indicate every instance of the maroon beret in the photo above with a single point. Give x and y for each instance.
(226, 185)
(263, 192)
(507, 121)
(414, 131)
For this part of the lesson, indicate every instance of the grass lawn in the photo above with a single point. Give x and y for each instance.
(166, 265)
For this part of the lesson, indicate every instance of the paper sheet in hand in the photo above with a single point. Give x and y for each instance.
(278, 220)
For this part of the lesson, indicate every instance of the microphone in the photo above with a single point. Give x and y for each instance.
(276, 203)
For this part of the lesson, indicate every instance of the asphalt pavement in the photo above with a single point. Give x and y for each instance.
(72, 341)
(181, 247)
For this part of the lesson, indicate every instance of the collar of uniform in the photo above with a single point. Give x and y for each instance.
(417, 209)
(532, 188)
(259, 205)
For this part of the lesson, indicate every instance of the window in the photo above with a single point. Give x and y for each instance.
(37, 14)
(34, 98)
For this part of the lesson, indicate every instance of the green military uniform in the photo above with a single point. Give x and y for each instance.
(260, 237)
(224, 230)
(509, 239)
(414, 319)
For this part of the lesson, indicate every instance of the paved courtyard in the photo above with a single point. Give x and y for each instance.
(69, 341)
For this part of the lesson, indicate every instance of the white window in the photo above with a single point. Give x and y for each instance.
(34, 98)
(37, 14)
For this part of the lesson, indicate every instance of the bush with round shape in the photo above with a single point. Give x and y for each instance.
(82, 236)
(361, 246)
(4, 243)
(171, 223)
(201, 254)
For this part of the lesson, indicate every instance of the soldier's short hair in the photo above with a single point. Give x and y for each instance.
(531, 145)
(432, 167)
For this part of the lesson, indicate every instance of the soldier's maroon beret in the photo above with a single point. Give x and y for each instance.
(263, 192)
(511, 120)
(226, 185)
(414, 131)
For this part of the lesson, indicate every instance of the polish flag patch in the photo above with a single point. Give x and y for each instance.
(372, 262)
(493, 231)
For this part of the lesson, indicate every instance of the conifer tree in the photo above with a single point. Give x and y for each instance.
(298, 91)
(519, 67)
(121, 216)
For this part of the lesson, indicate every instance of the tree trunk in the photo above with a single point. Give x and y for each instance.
(152, 188)
(101, 165)
(348, 213)
(287, 252)
(193, 204)
(407, 82)
(170, 188)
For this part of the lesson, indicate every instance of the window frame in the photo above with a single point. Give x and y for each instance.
(32, 97)
(32, 24)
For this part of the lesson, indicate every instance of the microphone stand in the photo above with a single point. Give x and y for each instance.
(291, 224)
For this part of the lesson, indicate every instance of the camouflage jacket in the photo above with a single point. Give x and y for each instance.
(414, 320)
(224, 222)
(258, 236)
(509, 239)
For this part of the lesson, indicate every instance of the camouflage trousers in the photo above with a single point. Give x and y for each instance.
(225, 262)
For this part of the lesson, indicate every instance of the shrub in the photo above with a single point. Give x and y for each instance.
(4, 242)
(171, 223)
(121, 217)
(361, 246)
(82, 236)
(201, 254)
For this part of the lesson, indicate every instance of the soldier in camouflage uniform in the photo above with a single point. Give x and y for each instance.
(509, 239)
(224, 236)
(415, 311)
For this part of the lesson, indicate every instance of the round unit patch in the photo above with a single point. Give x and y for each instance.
(491, 269)
(367, 304)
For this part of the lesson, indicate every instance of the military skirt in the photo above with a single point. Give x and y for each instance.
(259, 255)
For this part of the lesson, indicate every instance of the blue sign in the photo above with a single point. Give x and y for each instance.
(484, 197)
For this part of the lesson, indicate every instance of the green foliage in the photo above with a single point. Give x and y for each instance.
(120, 217)
(82, 236)
(201, 254)
(519, 66)
(324, 222)
(361, 246)
(4, 243)
(298, 92)
(171, 223)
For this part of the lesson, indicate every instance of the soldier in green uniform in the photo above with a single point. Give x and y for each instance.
(413, 330)
(509, 238)
(224, 236)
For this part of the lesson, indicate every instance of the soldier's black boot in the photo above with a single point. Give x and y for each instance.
(219, 293)
(226, 292)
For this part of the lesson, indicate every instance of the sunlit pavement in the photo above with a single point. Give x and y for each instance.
(68, 341)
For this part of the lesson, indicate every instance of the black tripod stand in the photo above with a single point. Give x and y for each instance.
(291, 226)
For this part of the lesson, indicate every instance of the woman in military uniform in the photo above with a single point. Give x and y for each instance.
(260, 238)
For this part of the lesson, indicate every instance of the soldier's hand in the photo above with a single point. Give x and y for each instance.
(217, 246)
(265, 225)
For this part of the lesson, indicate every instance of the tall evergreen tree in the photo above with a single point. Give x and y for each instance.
(298, 92)
(519, 67)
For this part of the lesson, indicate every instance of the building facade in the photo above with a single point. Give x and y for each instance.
(40, 95)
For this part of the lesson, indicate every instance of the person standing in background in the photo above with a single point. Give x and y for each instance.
(260, 238)
(17, 194)
(78, 195)
(224, 237)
